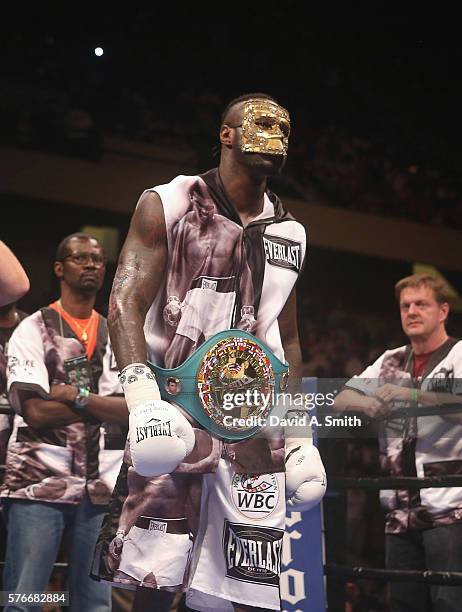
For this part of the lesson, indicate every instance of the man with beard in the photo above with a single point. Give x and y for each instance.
(67, 441)
(242, 275)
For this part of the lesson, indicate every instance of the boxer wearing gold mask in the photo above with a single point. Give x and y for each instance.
(265, 127)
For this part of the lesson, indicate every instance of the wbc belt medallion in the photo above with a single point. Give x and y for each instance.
(234, 383)
(227, 385)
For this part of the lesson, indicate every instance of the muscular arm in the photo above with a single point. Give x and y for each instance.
(41, 414)
(246, 284)
(291, 342)
(391, 393)
(382, 402)
(350, 400)
(175, 285)
(432, 398)
(305, 475)
(57, 411)
(110, 409)
(138, 278)
(136, 502)
(13, 280)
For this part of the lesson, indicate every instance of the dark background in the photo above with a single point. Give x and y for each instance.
(391, 76)
(374, 96)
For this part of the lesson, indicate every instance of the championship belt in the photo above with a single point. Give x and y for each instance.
(228, 385)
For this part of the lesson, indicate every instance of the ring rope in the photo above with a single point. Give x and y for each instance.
(427, 576)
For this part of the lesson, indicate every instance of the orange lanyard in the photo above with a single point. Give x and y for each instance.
(84, 329)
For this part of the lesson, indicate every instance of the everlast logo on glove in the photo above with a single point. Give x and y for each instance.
(253, 554)
(282, 252)
(157, 428)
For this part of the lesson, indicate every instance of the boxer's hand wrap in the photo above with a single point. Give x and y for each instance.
(305, 475)
(160, 436)
(172, 311)
(139, 385)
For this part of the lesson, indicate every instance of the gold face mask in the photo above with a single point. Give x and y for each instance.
(265, 127)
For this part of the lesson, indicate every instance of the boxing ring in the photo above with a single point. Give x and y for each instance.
(305, 567)
(304, 564)
(302, 579)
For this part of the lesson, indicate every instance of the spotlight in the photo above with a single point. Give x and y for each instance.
(99, 51)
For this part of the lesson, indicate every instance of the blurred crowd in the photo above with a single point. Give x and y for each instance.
(341, 342)
(359, 171)
(369, 175)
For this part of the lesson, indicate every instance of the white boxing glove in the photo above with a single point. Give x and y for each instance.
(160, 436)
(306, 481)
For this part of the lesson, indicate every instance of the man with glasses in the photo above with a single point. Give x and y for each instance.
(69, 431)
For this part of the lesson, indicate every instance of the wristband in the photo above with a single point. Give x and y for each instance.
(82, 398)
(139, 385)
(414, 396)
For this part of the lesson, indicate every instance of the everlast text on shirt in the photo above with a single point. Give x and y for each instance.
(282, 252)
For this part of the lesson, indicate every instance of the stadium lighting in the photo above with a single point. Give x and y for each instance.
(99, 51)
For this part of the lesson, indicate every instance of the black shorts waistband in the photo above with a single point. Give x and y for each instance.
(163, 525)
